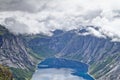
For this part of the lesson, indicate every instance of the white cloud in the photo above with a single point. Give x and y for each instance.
(44, 16)
(55, 74)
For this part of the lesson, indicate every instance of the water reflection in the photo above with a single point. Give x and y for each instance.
(61, 69)
(55, 74)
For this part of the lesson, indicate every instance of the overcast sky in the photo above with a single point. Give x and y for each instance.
(44, 16)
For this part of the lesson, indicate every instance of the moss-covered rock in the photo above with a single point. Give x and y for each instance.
(5, 73)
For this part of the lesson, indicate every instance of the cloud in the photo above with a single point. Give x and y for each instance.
(45, 16)
(55, 74)
(15, 5)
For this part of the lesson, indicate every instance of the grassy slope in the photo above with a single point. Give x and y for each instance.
(21, 74)
(101, 68)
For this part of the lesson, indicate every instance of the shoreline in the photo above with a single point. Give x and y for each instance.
(67, 59)
(91, 75)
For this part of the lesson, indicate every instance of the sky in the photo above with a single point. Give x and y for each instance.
(45, 16)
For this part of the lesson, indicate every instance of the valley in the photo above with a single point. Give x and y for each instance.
(22, 53)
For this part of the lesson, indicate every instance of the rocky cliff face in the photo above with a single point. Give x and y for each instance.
(14, 54)
(101, 54)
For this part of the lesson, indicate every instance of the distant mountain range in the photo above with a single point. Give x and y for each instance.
(22, 52)
(101, 54)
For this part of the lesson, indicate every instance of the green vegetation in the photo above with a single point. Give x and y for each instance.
(105, 71)
(95, 68)
(1, 33)
(26, 74)
(21, 74)
(5, 73)
(34, 55)
(43, 51)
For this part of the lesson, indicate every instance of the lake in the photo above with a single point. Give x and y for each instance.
(61, 69)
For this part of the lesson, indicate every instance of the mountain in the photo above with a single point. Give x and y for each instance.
(15, 55)
(102, 54)
(21, 53)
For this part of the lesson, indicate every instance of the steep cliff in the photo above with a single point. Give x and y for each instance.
(14, 54)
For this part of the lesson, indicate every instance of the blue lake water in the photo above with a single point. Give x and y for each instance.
(61, 69)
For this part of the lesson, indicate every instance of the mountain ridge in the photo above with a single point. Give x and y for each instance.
(102, 54)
